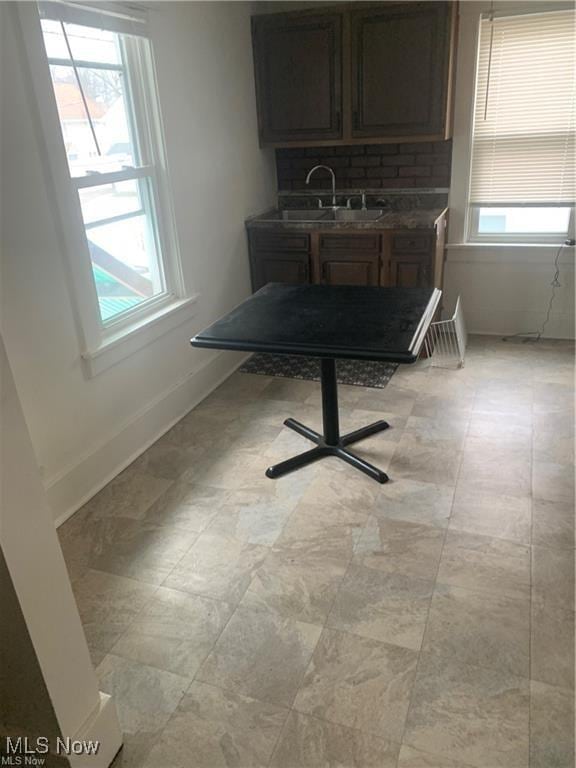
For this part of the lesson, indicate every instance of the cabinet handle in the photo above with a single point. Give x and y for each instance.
(338, 121)
(355, 120)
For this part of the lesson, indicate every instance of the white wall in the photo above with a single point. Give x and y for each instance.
(503, 294)
(85, 430)
(44, 643)
(504, 289)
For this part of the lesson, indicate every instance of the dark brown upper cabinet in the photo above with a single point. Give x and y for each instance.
(400, 70)
(360, 73)
(298, 68)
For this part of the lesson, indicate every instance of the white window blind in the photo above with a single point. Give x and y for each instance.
(523, 137)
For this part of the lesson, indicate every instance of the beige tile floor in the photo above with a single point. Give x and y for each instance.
(323, 619)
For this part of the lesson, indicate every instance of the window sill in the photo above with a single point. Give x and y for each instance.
(508, 253)
(142, 332)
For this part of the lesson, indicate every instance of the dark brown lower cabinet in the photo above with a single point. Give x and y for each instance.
(412, 256)
(349, 259)
(279, 257)
(345, 270)
(406, 272)
(407, 259)
(280, 268)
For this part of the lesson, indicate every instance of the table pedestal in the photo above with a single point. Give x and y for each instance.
(331, 443)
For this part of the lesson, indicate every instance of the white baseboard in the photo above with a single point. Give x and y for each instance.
(101, 727)
(492, 321)
(77, 483)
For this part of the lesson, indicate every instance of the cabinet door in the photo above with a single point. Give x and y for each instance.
(279, 268)
(410, 272)
(349, 259)
(298, 67)
(342, 270)
(400, 70)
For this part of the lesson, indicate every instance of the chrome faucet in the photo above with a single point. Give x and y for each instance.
(331, 172)
(362, 197)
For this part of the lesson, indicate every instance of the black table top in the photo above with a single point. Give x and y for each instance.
(355, 322)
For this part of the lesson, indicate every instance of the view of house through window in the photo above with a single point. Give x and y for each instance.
(523, 220)
(107, 161)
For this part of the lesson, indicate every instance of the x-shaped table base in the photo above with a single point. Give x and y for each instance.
(323, 449)
(330, 443)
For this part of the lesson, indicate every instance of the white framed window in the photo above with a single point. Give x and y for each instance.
(522, 176)
(94, 79)
(102, 75)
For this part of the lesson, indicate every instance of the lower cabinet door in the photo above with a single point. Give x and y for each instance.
(410, 272)
(349, 270)
(291, 268)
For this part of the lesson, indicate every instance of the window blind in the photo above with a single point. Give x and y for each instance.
(523, 135)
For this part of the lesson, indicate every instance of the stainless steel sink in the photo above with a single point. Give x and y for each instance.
(303, 215)
(348, 214)
(324, 214)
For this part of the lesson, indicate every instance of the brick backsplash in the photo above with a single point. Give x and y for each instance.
(421, 164)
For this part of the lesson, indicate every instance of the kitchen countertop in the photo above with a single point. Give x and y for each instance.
(418, 218)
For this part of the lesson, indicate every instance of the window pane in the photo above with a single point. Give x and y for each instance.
(125, 264)
(113, 297)
(86, 43)
(89, 44)
(110, 200)
(54, 40)
(91, 79)
(523, 220)
(104, 92)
